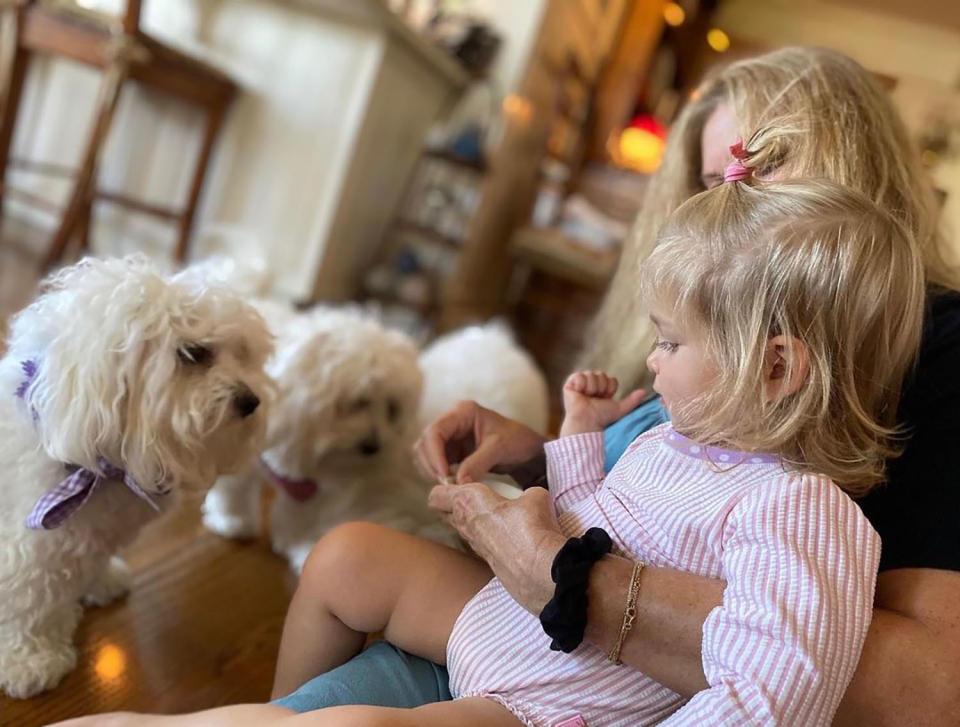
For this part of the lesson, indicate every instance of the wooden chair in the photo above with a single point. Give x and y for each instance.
(117, 46)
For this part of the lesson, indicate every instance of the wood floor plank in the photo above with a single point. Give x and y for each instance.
(200, 628)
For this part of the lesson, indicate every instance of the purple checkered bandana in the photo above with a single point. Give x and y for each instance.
(60, 502)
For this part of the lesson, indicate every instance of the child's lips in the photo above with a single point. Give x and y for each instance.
(663, 399)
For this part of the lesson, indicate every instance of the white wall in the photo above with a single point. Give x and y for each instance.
(517, 22)
(884, 43)
(924, 59)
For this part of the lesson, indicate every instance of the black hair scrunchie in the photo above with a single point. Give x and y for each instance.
(564, 618)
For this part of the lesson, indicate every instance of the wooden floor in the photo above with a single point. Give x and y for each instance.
(200, 627)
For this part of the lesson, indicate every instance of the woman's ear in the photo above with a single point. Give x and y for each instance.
(786, 366)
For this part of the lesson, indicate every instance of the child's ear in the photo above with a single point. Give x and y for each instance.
(786, 366)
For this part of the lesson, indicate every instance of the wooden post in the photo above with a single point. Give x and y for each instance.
(131, 18)
(13, 71)
(214, 122)
(476, 289)
(84, 186)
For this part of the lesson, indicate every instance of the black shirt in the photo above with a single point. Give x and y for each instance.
(917, 512)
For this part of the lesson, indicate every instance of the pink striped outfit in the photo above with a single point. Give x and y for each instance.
(800, 562)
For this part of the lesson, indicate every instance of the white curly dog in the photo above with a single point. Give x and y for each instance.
(352, 398)
(119, 389)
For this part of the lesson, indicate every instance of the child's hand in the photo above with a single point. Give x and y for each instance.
(589, 404)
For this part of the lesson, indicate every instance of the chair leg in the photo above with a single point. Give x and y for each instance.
(83, 189)
(214, 122)
(83, 226)
(13, 72)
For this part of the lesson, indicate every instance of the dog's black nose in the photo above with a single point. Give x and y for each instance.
(246, 402)
(370, 445)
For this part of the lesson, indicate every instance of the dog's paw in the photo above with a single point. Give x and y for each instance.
(114, 582)
(26, 672)
(230, 515)
(229, 526)
(296, 556)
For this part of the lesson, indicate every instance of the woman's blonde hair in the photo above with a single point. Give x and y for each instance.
(823, 116)
(809, 260)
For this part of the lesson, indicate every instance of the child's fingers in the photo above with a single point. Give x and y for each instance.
(631, 401)
(612, 385)
(576, 382)
(592, 383)
(598, 383)
(604, 385)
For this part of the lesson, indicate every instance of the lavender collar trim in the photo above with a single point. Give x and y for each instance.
(29, 368)
(687, 446)
(60, 502)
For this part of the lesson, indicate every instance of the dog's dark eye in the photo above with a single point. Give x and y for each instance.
(393, 410)
(195, 354)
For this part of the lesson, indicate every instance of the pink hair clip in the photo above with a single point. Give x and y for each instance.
(736, 171)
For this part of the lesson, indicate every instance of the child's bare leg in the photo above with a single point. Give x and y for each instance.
(362, 578)
(473, 712)
(463, 713)
(237, 715)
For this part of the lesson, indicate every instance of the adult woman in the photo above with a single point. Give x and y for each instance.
(832, 121)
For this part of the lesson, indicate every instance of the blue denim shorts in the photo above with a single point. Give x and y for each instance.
(382, 676)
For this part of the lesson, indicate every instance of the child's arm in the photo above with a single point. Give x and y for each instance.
(800, 561)
(575, 461)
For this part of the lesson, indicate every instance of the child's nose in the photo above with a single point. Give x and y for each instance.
(653, 362)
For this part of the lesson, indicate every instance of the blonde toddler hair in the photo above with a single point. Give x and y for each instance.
(825, 117)
(807, 259)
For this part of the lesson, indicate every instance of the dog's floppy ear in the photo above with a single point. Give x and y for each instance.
(91, 333)
(305, 357)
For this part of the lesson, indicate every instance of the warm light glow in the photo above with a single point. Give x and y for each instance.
(517, 108)
(110, 663)
(673, 14)
(638, 149)
(718, 40)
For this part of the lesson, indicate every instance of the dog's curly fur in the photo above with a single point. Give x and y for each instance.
(343, 421)
(159, 376)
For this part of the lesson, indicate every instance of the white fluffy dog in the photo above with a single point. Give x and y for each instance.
(118, 390)
(348, 409)
(485, 364)
(338, 437)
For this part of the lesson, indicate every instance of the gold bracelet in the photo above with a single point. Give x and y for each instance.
(629, 613)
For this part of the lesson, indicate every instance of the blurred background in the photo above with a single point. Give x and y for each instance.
(450, 160)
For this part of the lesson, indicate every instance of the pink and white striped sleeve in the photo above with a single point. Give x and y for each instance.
(574, 468)
(800, 561)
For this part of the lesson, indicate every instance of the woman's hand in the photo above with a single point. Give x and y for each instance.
(481, 441)
(517, 538)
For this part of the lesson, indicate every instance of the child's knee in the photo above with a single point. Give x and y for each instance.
(348, 548)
